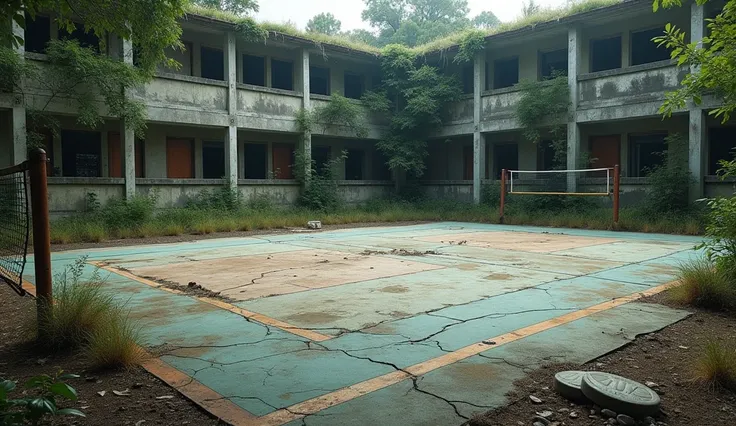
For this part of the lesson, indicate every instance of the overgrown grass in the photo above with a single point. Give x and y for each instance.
(717, 365)
(704, 285)
(259, 216)
(83, 315)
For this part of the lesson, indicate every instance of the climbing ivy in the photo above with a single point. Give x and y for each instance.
(416, 97)
(339, 111)
(542, 110)
(471, 42)
(248, 29)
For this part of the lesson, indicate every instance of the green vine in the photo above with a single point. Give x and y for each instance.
(339, 111)
(542, 110)
(248, 29)
(471, 42)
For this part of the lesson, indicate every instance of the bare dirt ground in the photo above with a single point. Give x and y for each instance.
(665, 358)
(233, 234)
(151, 401)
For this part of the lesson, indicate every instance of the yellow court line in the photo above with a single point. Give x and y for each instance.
(348, 393)
(255, 316)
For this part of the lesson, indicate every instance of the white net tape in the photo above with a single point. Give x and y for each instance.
(561, 182)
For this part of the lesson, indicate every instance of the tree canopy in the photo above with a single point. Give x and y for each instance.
(712, 61)
(413, 22)
(487, 20)
(324, 23)
(238, 7)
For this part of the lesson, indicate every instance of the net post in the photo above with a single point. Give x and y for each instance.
(41, 231)
(616, 184)
(503, 194)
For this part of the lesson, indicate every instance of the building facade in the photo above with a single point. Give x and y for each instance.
(228, 115)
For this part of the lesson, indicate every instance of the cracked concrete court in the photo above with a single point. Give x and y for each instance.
(422, 324)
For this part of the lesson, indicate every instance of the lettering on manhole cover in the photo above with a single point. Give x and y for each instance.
(620, 394)
(567, 384)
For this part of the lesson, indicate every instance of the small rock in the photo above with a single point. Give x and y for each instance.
(625, 420)
(125, 392)
(608, 413)
(574, 415)
(137, 385)
(563, 410)
(139, 422)
(535, 399)
(651, 384)
(546, 414)
(541, 420)
(538, 424)
(101, 393)
(91, 378)
(683, 347)
(165, 397)
(612, 422)
(592, 416)
(677, 410)
(192, 284)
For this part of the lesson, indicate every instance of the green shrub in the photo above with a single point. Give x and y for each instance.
(703, 284)
(113, 342)
(121, 214)
(261, 202)
(224, 198)
(717, 365)
(669, 182)
(490, 194)
(39, 400)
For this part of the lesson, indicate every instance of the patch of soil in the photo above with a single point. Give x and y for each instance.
(399, 252)
(234, 234)
(666, 358)
(20, 360)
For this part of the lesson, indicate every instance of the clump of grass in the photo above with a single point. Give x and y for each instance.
(114, 341)
(704, 285)
(83, 315)
(717, 366)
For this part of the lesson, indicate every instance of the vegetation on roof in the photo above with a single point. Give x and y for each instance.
(255, 31)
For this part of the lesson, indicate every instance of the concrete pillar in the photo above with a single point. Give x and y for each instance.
(231, 134)
(574, 47)
(128, 135)
(479, 72)
(306, 144)
(18, 129)
(697, 146)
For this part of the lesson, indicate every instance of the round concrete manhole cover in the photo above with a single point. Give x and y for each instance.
(567, 384)
(620, 394)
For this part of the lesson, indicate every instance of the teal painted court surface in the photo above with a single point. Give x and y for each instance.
(382, 300)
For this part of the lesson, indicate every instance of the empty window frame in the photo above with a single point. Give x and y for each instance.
(646, 152)
(545, 155)
(256, 158)
(380, 170)
(321, 156)
(505, 156)
(467, 78)
(721, 146)
(85, 39)
(604, 151)
(213, 160)
(505, 72)
(282, 74)
(254, 70)
(354, 85)
(319, 80)
(37, 34)
(354, 164)
(81, 153)
(644, 50)
(605, 54)
(213, 63)
(468, 163)
(552, 63)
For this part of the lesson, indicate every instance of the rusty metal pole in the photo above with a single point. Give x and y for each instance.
(41, 231)
(503, 194)
(616, 184)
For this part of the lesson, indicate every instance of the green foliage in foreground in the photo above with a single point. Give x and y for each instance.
(38, 400)
(261, 213)
(717, 365)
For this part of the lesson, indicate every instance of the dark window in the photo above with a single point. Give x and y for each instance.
(380, 166)
(254, 70)
(375, 81)
(354, 164)
(505, 72)
(505, 156)
(468, 79)
(255, 161)
(545, 155)
(38, 33)
(213, 160)
(354, 86)
(80, 154)
(605, 54)
(321, 156)
(319, 80)
(85, 39)
(721, 146)
(282, 75)
(213, 63)
(487, 85)
(644, 50)
(551, 63)
(646, 152)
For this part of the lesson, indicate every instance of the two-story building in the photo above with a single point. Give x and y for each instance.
(228, 115)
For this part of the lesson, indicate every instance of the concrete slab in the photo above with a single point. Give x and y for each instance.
(519, 241)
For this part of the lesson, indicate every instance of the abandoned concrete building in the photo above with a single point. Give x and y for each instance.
(228, 114)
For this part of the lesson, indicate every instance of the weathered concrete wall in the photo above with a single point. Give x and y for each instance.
(715, 187)
(461, 112)
(68, 195)
(498, 110)
(353, 192)
(449, 190)
(268, 109)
